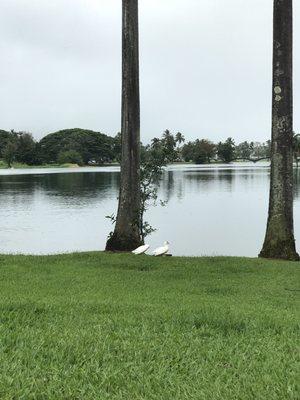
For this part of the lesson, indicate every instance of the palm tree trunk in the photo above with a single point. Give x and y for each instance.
(126, 235)
(279, 240)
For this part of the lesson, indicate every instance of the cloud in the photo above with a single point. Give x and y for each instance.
(205, 66)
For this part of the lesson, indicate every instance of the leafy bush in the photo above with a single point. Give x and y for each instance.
(70, 156)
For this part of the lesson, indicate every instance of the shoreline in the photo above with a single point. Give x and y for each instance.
(115, 164)
(116, 168)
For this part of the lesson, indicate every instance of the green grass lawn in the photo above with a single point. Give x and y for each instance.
(102, 326)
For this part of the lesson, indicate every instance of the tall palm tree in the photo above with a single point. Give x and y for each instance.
(279, 240)
(179, 138)
(126, 235)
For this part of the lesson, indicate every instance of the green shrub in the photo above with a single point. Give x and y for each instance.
(70, 156)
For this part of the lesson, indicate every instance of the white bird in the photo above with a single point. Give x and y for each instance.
(141, 249)
(161, 250)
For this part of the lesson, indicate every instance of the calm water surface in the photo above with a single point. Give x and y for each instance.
(211, 210)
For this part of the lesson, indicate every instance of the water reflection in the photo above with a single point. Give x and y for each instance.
(210, 210)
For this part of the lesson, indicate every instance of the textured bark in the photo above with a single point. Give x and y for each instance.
(279, 240)
(126, 235)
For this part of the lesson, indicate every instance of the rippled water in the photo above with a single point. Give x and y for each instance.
(211, 210)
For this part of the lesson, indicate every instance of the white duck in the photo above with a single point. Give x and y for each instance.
(161, 250)
(141, 249)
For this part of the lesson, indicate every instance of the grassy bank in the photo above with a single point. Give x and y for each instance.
(99, 326)
(3, 165)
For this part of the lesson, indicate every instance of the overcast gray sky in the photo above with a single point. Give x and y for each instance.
(205, 66)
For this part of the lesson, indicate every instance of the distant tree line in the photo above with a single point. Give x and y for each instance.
(204, 151)
(86, 147)
(77, 146)
(18, 147)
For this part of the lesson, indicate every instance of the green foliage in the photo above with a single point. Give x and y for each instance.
(153, 159)
(97, 148)
(100, 326)
(187, 151)
(244, 150)
(5, 136)
(117, 147)
(253, 151)
(168, 142)
(199, 151)
(167, 148)
(27, 151)
(69, 156)
(261, 150)
(179, 138)
(226, 150)
(18, 147)
(92, 146)
(9, 152)
(71, 145)
(296, 147)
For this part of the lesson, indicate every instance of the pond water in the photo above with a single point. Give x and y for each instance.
(211, 210)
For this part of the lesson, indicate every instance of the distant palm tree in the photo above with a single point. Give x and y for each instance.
(279, 240)
(179, 138)
(126, 235)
